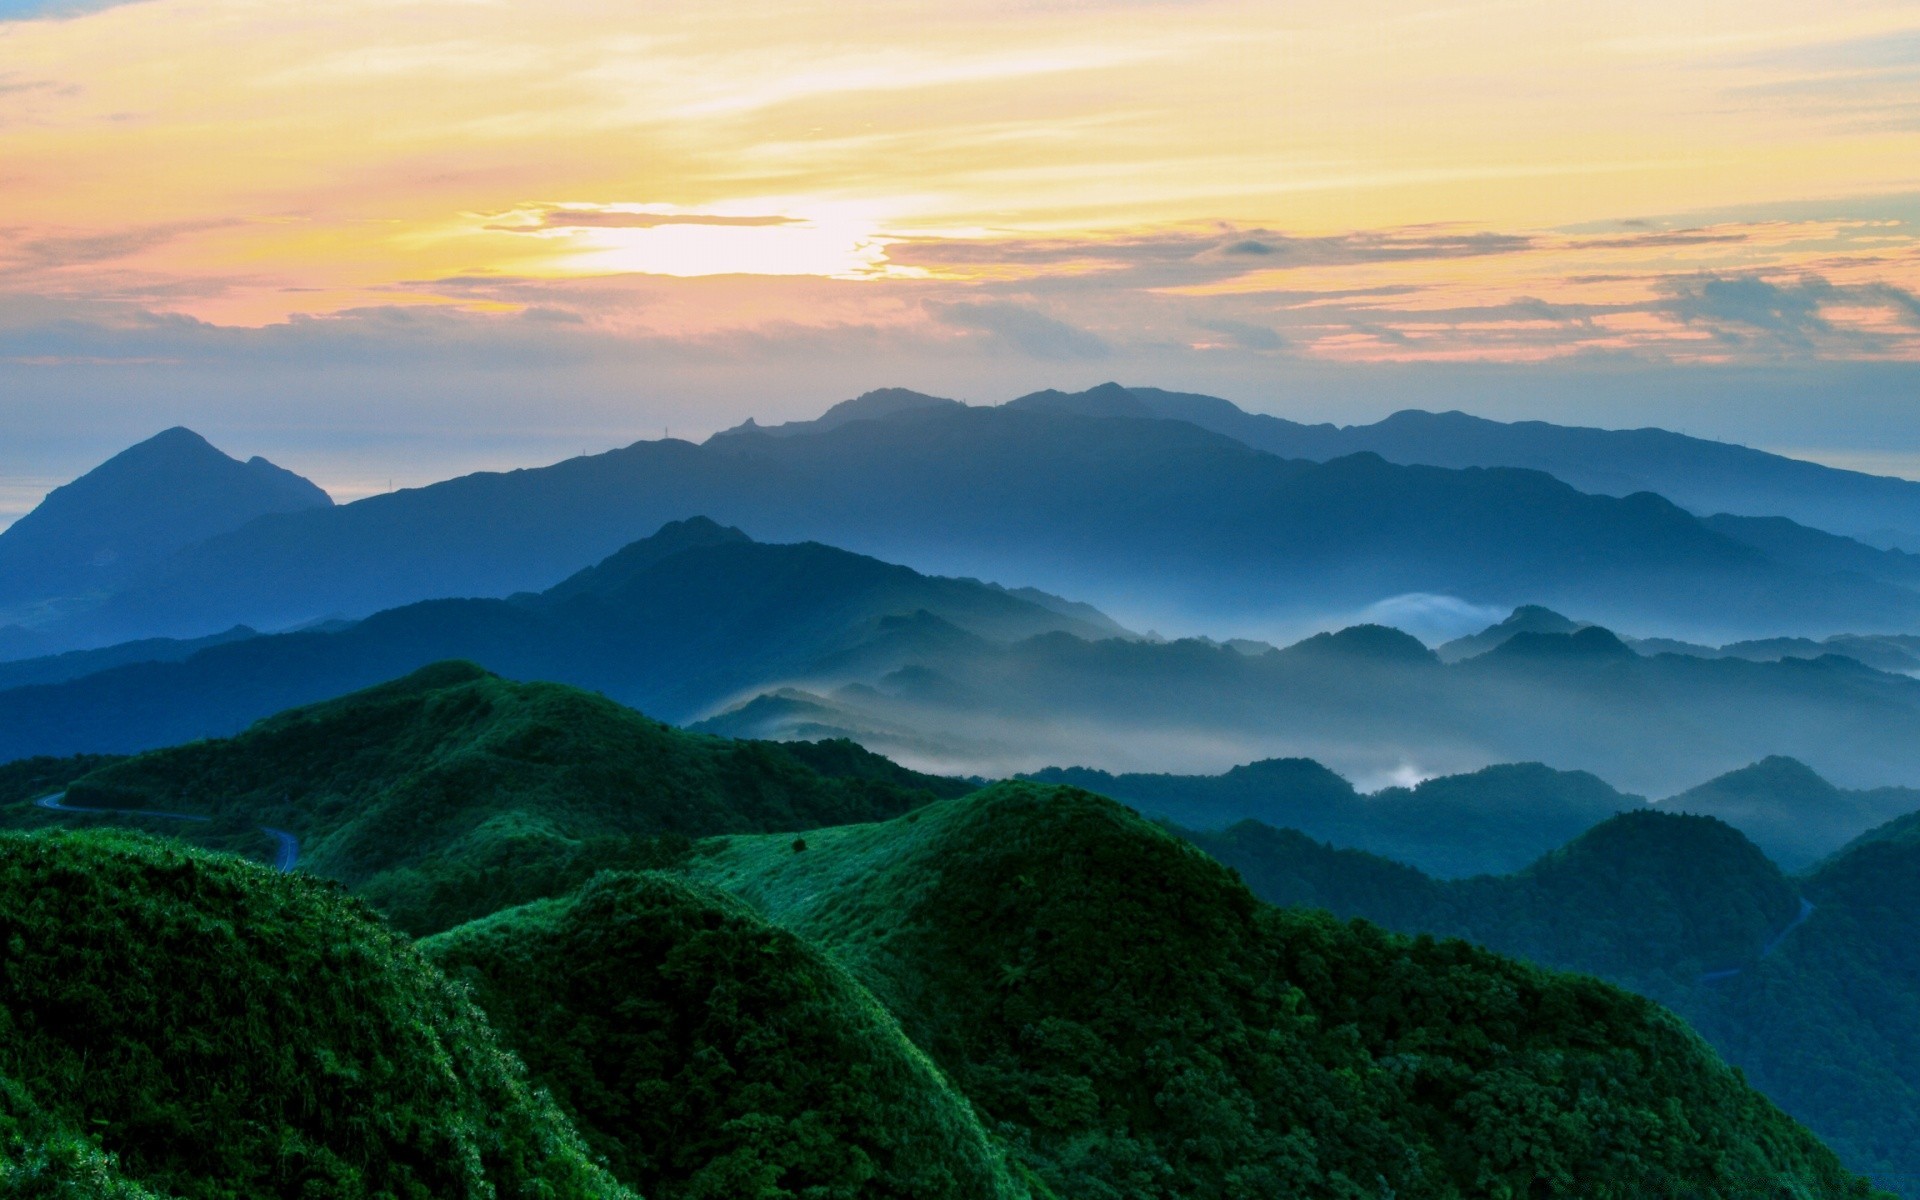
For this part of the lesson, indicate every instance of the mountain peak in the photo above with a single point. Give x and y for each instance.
(618, 568)
(155, 497)
(1379, 642)
(1590, 644)
(1774, 775)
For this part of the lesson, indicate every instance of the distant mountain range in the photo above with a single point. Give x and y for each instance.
(806, 641)
(676, 624)
(1706, 477)
(1372, 703)
(1101, 495)
(1807, 984)
(1501, 818)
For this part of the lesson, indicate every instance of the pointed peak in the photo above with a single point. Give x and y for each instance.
(1776, 772)
(627, 563)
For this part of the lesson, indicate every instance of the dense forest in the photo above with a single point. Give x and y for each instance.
(673, 965)
(1807, 982)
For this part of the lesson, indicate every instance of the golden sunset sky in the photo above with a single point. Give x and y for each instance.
(1227, 193)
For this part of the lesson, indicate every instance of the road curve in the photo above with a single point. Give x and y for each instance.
(1800, 918)
(286, 853)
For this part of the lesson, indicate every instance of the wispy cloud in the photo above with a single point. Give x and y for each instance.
(1023, 328)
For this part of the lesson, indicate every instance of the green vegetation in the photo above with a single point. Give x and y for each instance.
(32, 778)
(451, 793)
(709, 1056)
(1823, 1014)
(857, 989)
(1829, 1023)
(195, 1026)
(1648, 900)
(1136, 1024)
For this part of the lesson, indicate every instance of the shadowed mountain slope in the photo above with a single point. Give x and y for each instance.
(135, 509)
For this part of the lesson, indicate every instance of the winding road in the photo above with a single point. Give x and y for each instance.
(286, 846)
(1806, 910)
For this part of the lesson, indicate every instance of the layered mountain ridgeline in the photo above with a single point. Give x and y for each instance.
(190, 1026)
(1135, 1024)
(1807, 984)
(1373, 704)
(1164, 514)
(673, 624)
(1501, 818)
(1796, 816)
(134, 510)
(453, 792)
(1899, 653)
(1698, 474)
(75, 664)
(1490, 821)
(704, 1053)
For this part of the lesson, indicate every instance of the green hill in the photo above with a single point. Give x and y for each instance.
(452, 792)
(705, 1053)
(1136, 1024)
(1796, 816)
(194, 1026)
(1818, 1005)
(1830, 1022)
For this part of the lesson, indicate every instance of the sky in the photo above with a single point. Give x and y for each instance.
(383, 241)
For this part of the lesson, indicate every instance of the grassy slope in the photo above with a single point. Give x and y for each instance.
(710, 1056)
(1136, 1024)
(225, 1032)
(452, 792)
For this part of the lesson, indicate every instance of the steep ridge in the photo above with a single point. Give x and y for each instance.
(201, 1028)
(674, 624)
(1144, 1027)
(1173, 517)
(705, 1053)
(133, 510)
(452, 792)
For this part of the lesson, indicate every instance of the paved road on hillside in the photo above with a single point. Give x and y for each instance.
(286, 853)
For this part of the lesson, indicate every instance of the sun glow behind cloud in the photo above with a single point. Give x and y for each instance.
(1430, 181)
